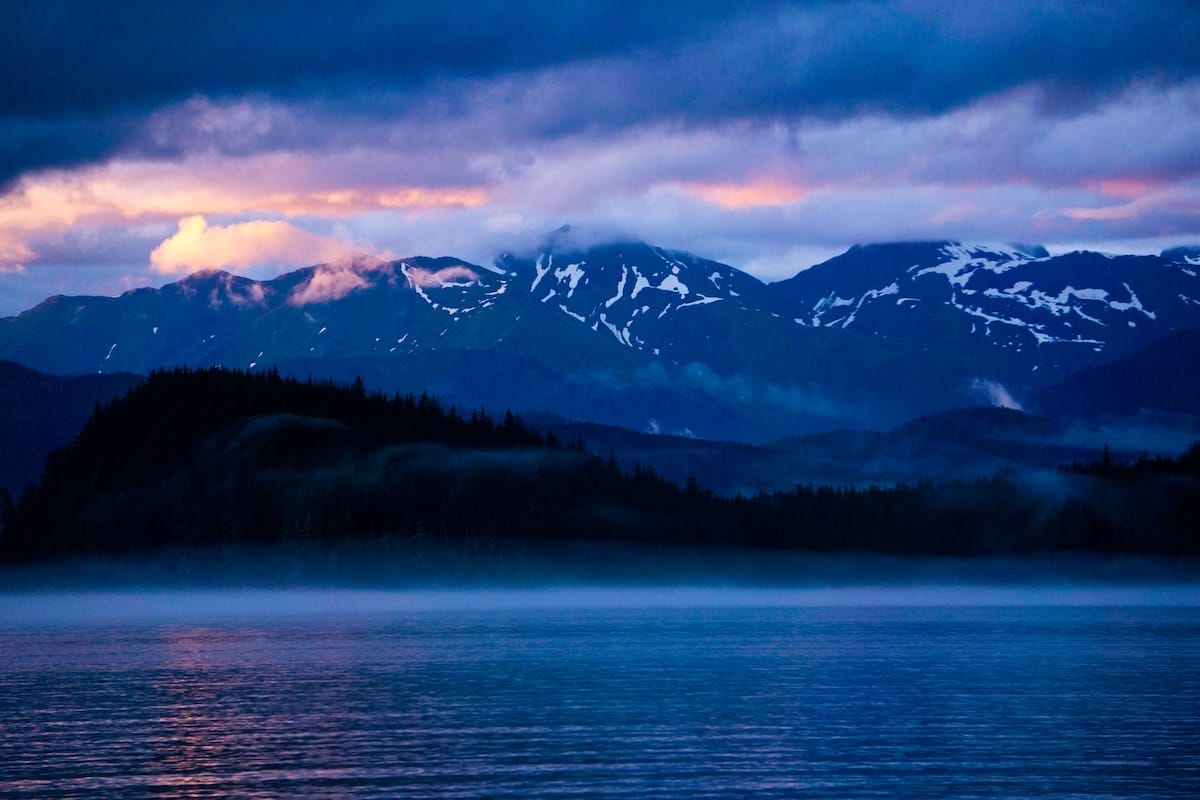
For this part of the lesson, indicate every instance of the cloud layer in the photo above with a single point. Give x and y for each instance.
(767, 135)
(246, 245)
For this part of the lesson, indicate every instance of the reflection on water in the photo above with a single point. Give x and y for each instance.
(628, 699)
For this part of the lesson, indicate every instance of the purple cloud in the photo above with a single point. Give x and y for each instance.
(767, 137)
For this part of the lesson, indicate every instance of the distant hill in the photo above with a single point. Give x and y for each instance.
(961, 443)
(39, 413)
(201, 458)
(213, 457)
(45, 412)
(1162, 376)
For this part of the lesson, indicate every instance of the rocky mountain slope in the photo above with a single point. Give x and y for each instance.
(652, 339)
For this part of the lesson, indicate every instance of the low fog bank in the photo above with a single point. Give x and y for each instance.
(306, 604)
(537, 565)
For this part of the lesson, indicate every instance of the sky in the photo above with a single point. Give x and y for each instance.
(142, 141)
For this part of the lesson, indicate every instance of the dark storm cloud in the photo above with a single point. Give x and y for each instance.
(27, 144)
(903, 59)
(67, 57)
(932, 55)
(75, 75)
(63, 57)
(759, 134)
(72, 74)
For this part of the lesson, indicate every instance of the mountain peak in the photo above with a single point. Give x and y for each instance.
(1187, 254)
(900, 244)
(204, 276)
(1031, 250)
(574, 239)
(951, 248)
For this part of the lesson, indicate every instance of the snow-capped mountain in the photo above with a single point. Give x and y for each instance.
(1017, 310)
(214, 317)
(649, 338)
(632, 291)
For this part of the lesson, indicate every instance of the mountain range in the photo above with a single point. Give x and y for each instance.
(657, 340)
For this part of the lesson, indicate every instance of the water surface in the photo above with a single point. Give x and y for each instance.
(626, 693)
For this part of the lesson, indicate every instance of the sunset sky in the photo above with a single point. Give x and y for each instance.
(143, 142)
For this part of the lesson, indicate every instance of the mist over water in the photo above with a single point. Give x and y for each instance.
(296, 584)
(747, 674)
(296, 605)
(480, 562)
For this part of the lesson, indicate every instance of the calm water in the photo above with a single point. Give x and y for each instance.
(347, 695)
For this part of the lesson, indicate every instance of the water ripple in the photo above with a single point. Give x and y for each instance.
(620, 702)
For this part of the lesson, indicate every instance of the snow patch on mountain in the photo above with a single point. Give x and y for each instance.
(573, 275)
(610, 302)
(570, 313)
(834, 301)
(621, 335)
(641, 283)
(890, 289)
(963, 260)
(540, 268)
(1133, 304)
(1056, 304)
(702, 301)
(1035, 329)
(671, 283)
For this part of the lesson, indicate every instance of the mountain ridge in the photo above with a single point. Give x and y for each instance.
(649, 338)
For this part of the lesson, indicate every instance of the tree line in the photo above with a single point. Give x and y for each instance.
(214, 457)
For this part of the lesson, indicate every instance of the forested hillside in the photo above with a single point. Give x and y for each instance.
(214, 457)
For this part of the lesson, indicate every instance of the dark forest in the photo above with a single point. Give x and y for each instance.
(194, 458)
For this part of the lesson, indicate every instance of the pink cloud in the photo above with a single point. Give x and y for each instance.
(331, 282)
(13, 252)
(328, 283)
(197, 245)
(955, 213)
(140, 194)
(1129, 188)
(750, 194)
(252, 295)
(1105, 214)
(770, 197)
(1182, 201)
(447, 275)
